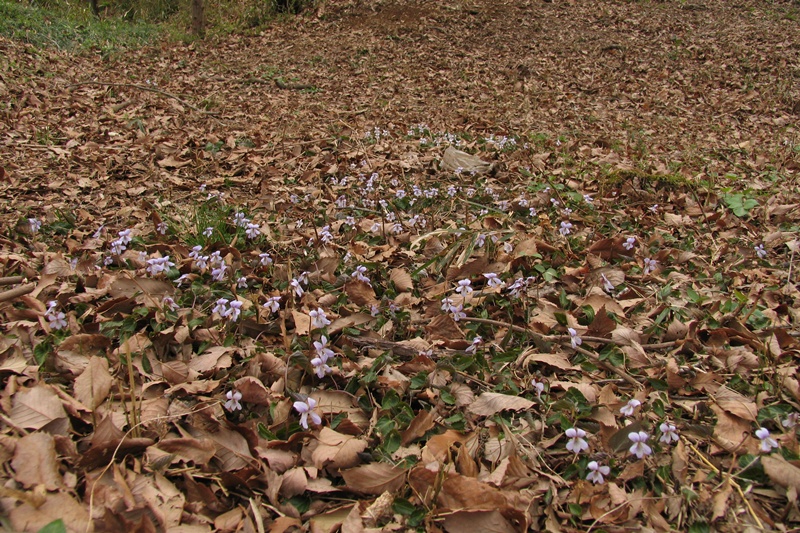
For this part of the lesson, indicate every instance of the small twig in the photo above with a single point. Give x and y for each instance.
(16, 292)
(144, 88)
(10, 280)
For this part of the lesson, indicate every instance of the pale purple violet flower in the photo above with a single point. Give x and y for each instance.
(57, 320)
(273, 304)
(597, 472)
(640, 447)
(492, 280)
(318, 318)
(629, 243)
(649, 265)
(767, 442)
(574, 339)
(233, 397)
(669, 433)
(630, 407)
(576, 443)
(306, 409)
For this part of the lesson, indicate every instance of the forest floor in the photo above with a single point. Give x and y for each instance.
(407, 265)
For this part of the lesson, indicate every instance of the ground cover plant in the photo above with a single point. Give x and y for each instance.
(407, 266)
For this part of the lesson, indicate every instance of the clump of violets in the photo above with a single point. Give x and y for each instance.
(320, 362)
(597, 472)
(577, 440)
(767, 442)
(306, 410)
(640, 448)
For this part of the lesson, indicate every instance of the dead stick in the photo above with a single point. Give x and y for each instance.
(143, 88)
(16, 292)
(10, 280)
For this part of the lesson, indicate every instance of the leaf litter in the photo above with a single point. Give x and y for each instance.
(422, 292)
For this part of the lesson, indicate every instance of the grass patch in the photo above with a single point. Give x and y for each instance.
(70, 27)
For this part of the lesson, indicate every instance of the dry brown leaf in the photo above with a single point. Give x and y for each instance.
(374, 478)
(781, 471)
(35, 461)
(39, 407)
(472, 521)
(198, 451)
(418, 426)
(336, 450)
(557, 359)
(360, 293)
(94, 383)
(736, 404)
(293, 482)
(232, 449)
(57, 505)
(490, 403)
(401, 279)
(720, 500)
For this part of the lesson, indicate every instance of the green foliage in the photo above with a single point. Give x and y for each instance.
(739, 204)
(70, 25)
(56, 526)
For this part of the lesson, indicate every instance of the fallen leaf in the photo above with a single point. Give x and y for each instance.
(35, 461)
(781, 471)
(735, 403)
(490, 403)
(374, 478)
(39, 407)
(94, 383)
